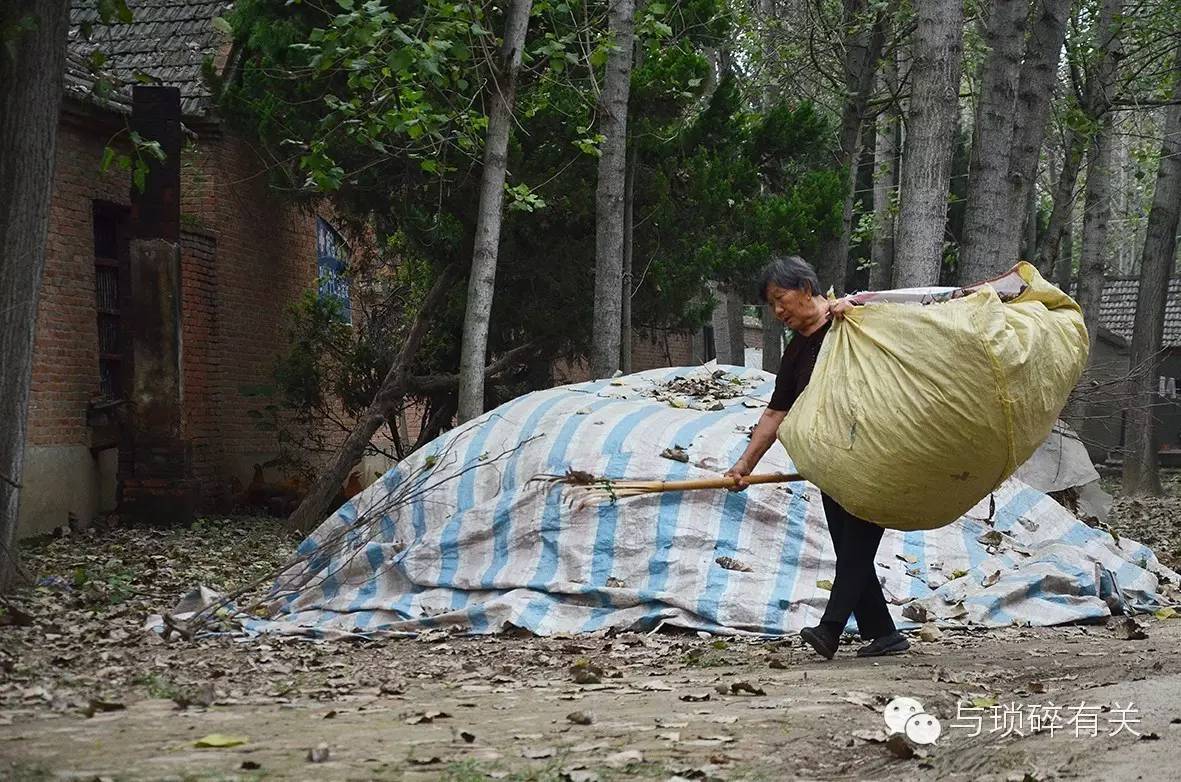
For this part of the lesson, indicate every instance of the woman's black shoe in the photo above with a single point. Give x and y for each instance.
(894, 643)
(820, 639)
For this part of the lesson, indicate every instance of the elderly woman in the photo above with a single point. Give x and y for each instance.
(789, 285)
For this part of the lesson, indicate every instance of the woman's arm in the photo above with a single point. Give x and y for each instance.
(761, 439)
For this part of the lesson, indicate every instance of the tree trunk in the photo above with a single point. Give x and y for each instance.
(1096, 212)
(31, 67)
(1039, 77)
(885, 182)
(1156, 267)
(482, 282)
(930, 134)
(604, 359)
(735, 328)
(863, 48)
(1029, 231)
(992, 139)
(1050, 247)
(629, 194)
(1064, 264)
(772, 340)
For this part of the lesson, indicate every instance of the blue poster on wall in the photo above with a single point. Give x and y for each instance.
(332, 255)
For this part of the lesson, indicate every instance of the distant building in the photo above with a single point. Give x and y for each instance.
(1117, 315)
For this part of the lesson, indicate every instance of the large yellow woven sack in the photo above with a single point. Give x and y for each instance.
(916, 413)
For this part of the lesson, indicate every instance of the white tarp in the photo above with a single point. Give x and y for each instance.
(458, 535)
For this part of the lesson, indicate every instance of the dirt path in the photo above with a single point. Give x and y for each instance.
(461, 708)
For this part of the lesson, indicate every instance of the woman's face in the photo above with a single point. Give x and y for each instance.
(796, 308)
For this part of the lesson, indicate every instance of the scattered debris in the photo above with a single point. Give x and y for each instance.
(319, 754)
(676, 453)
(930, 632)
(585, 672)
(624, 759)
(427, 717)
(916, 612)
(861, 699)
(97, 705)
(538, 753)
(902, 747)
(1126, 628)
(581, 717)
(729, 563)
(871, 736)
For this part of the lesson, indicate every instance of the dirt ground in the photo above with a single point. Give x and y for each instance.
(85, 694)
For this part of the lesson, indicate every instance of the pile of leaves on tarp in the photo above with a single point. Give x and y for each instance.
(703, 392)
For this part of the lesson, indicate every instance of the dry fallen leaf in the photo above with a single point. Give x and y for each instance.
(623, 759)
(427, 717)
(538, 753)
(745, 687)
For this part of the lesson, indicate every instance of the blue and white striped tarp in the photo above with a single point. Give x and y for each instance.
(458, 535)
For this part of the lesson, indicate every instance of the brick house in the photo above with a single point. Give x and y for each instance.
(245, 256)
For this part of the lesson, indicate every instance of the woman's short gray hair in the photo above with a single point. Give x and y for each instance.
(788, 272)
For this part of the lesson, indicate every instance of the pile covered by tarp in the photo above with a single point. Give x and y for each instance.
(458, 535)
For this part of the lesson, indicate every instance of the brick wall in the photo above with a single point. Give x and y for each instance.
(201, 358)
(65, 350)
(265, 259)
(650, 350)
(245, 258)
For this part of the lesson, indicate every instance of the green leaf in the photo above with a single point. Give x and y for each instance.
(984, 702)
(1165, 613)
(429, 166)
(108, 159)
(222, 25)
(219, 740)
(824, 584)
(139, 176)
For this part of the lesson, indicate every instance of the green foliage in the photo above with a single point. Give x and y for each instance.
(379, 106)
(137, 162)
(106, 583)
